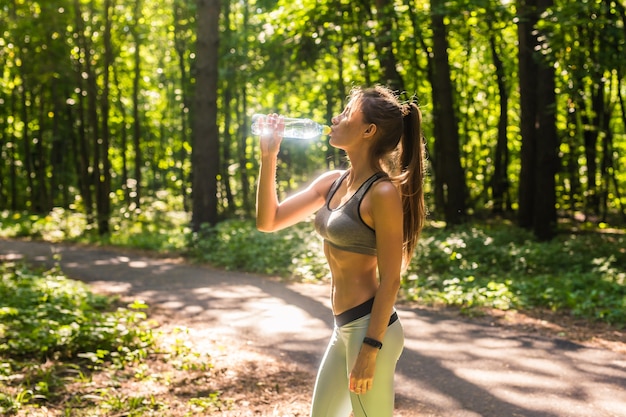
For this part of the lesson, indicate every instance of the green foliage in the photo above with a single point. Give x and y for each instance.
(160, 226)
(236, 244)
(497, 265)
(503, 267)
(55, 335)
(48, 316)
(51, 326)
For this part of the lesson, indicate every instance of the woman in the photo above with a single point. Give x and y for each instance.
(370, 217)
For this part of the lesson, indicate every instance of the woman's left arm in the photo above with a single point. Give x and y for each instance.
(385, 211)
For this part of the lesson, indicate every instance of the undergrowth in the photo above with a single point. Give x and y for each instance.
(478, 265)
(67, 351)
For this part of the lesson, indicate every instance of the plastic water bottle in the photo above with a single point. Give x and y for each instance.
(294, 128)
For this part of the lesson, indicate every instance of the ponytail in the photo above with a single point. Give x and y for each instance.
(411, 179)
(399, 151)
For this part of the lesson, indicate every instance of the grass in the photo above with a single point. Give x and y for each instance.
(68, 352)
(500, 266)
(495, 265)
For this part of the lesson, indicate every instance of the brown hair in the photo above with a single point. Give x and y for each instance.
(399, 151)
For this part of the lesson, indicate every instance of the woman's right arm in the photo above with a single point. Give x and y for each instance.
(271, 214)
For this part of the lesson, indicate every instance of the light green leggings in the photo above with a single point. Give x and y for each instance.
(332, 397)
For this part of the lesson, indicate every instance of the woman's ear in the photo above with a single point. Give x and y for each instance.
(370, 131)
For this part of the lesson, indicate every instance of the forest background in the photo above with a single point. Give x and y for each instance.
(128, 123)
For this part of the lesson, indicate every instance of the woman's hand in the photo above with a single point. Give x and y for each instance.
(272, 127)
(362, 375)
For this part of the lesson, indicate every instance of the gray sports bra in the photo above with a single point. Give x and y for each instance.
(343, 227)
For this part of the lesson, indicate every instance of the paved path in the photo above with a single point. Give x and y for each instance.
(450, 366)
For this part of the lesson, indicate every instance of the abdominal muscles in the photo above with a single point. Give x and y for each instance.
(353, 278)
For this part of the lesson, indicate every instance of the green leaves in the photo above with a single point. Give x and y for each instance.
(496, 266)
(236, 244)
(502, 267)
(48, 316)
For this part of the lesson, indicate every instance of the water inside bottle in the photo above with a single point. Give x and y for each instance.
(294, 128)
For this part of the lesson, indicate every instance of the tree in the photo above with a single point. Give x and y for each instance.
(92, 88)
(449, 175)
(205, 153)
(539, 163)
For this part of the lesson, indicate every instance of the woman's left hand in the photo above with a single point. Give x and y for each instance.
(362, 375)
(272, 127)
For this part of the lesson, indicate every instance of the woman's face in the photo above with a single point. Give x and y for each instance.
(348, 127)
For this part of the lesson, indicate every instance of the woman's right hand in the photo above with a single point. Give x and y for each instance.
(272, 127)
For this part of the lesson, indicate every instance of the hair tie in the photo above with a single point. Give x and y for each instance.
(405, 109)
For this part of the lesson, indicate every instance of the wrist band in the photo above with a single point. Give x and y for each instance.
(373, 342)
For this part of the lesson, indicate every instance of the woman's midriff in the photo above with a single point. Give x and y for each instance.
(353, 278)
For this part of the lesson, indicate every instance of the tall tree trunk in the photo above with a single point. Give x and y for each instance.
(123, 136)
(40, 164)
(13, 160)
(242, 145)
(103, 182)
(242, 134)
(591, 118)
(437, 183)
(28, 153)
(228, 88)
(136, 116)
(537, 195)
(500, 181)
(571, 167)
(85, 177)
(181, 51)
(91, 128)
(384, 43)
(448, 169)
(205, 150)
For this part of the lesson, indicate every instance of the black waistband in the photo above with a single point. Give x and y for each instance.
(359, 311)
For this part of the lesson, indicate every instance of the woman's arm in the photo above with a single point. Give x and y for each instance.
(386, 214)
(273, 215)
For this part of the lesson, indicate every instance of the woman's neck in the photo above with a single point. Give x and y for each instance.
(358, 175)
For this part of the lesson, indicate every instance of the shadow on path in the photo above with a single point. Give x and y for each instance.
(450, 366)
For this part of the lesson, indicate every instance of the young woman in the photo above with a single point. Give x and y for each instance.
(370, 217)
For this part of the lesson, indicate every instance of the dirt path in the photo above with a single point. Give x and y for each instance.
(451, 366)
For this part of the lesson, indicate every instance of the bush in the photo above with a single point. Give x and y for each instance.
(237, 245)
(45, 315)
(487, 265)
(503, 267)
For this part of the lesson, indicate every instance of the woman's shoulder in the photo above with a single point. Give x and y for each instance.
(330, 177)
(324, 181)
(384, 188)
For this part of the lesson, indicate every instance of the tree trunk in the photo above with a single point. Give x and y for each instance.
(85, 178)
(537, 195)
(591, 118)
(384, 43)
(448, 170)
(104, 180)
(123, 137)
(500, 181)
(242, 135)
(136, 193)
(28, 153)
(89, 123)
(229, 86)
(181, 50)
(205, 150)
(40, 165)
